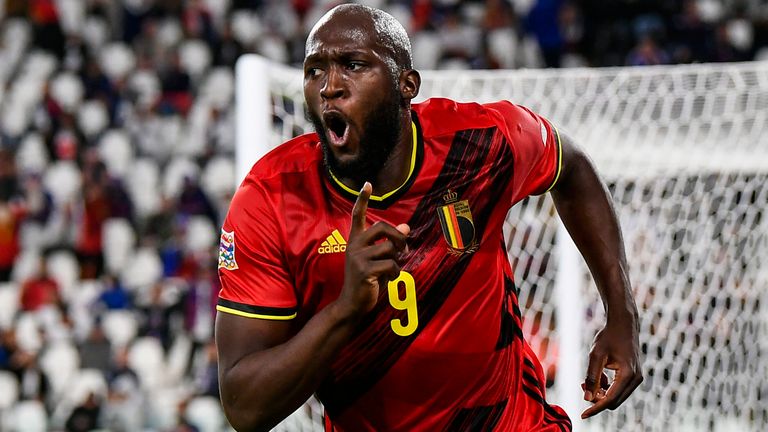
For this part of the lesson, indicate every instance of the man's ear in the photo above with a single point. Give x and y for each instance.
(410, 82)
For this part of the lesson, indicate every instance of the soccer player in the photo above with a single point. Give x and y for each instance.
(365, 263)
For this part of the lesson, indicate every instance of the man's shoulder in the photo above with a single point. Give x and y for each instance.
(298, 155)
(440, 115)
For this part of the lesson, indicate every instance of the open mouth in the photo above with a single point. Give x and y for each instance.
(337, 128)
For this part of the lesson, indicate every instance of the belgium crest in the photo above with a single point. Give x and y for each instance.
(456, 221)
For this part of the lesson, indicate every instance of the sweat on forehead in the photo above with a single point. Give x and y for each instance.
(389, 33)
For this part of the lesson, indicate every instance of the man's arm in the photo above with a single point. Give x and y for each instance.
(265, 370)
(585, 207)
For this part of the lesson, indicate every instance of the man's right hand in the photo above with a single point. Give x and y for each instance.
(371, 258)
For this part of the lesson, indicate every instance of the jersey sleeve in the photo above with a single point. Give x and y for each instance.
(255, 280)
(536, 149)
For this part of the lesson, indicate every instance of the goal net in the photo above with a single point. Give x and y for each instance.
(684, 150)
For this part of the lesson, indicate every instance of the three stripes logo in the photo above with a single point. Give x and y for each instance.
(333, 244)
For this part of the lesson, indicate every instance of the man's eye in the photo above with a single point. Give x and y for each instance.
(312, 72)
(353, 66)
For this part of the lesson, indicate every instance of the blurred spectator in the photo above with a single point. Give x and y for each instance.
(206, 373)
(200, 301)
(95, 210)
(33, 384)
(11, 215)
(95, 350)
(176, 84)
(157, 313)
(227, 49)
(45, 20)
(193, 201)
(114, 296)
(182, 424)
(647, 53)
(124, 404)
(85, 417)
(38, 201)
(39, 290)
(543, 23)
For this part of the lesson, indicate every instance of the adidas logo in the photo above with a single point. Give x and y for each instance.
(333, 244)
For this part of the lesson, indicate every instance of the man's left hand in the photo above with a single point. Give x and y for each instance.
(615, 347)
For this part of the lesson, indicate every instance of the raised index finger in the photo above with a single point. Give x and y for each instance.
(359, 210)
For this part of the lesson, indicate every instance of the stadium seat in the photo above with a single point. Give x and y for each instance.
(426, 50)
(63, 267)
(67, 90)
(218, 178)
(117, 60)
(84, 382)
(119, 241)
(38, 65)
(143, 270)
(60, 362)
(218, 88)
(17, 33)
(502, 44)
(29, 416)
(27, 265)
(63, 181)
(169, 33)
(178, 169)
(9, 390)
(195, 57)
(142, 186)
(71, 15)
(120, 327)
(92, 118)
(116, 152)
(146, 358)
(28, 332)
(163, 404)
(178, 357)
(95, 32)
(246, 26)
(81, 306)
(146, 85)
(9, 304)
(32, 156)
(201, 235)
(204, 412)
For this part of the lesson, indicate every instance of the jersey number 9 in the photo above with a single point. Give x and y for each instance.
(407, 303)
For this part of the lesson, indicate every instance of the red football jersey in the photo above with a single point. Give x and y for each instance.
(443, 348)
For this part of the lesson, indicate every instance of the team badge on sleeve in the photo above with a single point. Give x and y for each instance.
(227, 251)
(456, 221)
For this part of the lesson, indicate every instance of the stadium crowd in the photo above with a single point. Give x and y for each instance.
(116, 167)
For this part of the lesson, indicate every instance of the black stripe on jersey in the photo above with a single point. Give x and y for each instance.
(378, 348)
(532, 379)
(529, 364)
(477, 419)
(257, 310)
(555, 417)
(510, 327)
(533, 388)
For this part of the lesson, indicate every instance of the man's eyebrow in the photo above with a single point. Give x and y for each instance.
(340, 53)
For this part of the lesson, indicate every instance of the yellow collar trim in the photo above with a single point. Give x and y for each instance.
(388, 194)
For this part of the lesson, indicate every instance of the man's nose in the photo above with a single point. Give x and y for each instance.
(334, 85)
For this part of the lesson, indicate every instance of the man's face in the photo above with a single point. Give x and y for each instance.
(353, 99)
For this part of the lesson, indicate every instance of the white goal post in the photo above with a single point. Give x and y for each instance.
(684, 150)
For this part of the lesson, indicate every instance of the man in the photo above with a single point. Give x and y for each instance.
(366, 263)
